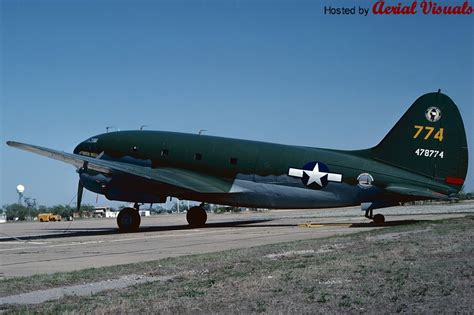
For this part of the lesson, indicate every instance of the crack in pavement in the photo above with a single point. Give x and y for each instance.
(41, 296)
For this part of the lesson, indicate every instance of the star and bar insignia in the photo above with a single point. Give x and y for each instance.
(315, 175)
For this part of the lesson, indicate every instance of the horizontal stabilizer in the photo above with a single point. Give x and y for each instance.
(409, 190)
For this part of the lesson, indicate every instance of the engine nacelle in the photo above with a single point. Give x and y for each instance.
(121, 195)
(120, 189)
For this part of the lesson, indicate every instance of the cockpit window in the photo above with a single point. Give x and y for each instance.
(92, 140)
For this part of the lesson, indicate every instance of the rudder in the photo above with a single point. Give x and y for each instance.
(429, 139)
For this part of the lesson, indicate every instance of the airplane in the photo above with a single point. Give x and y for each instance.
(424, 156)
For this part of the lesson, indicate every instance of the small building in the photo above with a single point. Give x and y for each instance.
(145, 213)
(3, 218)
(111, 214)
(104, 212)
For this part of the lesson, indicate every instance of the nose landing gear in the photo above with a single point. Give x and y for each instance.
(128, 219)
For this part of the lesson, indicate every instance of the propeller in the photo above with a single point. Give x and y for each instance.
(80, 187)
(80, 191)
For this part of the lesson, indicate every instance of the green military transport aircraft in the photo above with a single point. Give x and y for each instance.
(423, 157)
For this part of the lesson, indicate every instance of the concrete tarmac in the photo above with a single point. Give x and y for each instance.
(28, 248)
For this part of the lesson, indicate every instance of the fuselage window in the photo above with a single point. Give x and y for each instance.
(165, 152)
(198, 156)
(233, 161)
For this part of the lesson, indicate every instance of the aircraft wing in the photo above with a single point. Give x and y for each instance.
(172, 176)
(415, 191)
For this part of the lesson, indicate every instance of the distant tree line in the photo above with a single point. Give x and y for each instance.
(29, 211)
(16, 211)
(465, 196)
(183, 206)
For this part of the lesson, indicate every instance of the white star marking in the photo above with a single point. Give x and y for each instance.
(315, 175)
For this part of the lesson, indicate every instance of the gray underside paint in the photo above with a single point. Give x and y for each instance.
(267, 195)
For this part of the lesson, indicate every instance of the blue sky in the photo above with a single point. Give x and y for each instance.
(278, 71)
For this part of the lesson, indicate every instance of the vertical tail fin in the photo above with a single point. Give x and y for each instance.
(430, 140)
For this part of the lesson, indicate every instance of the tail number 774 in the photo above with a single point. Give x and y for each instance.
(426, 132)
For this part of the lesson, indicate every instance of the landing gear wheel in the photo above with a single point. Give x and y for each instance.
(128, 220)
(196, 217)
(379, 219)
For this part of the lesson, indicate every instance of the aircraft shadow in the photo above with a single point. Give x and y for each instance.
(77, 232)
(387, 223)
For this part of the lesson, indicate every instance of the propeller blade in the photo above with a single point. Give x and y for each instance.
(80, 190)
(80, 187)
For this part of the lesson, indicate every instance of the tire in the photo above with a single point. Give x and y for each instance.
(128, 220)
(379, 219)
(196, 217)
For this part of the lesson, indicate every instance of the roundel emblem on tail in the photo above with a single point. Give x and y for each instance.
(315, 175)
(433, 114)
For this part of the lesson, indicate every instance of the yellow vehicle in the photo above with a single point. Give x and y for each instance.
(46, 217)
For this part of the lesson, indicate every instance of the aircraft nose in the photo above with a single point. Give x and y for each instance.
(88, 147)
(80, 148)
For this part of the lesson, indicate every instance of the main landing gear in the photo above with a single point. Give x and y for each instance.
(128, 219)
(196, 216)
(378, 219)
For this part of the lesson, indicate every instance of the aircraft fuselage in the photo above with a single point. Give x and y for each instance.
(251, 173)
